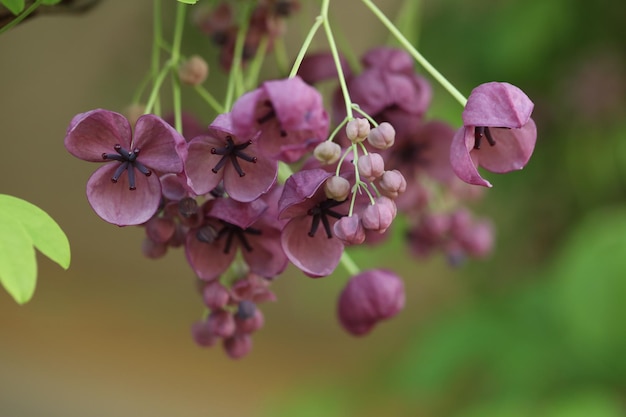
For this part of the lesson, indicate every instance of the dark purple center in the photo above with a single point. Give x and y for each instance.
(321, 212)
(128, 162)
(230, 231)
(479, 133)
(231, 152)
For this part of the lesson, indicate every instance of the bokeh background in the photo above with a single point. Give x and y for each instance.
(536, 330)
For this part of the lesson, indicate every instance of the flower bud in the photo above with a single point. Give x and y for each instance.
(349, 230)
(202, 335)
(221, 323)
(238, 346)
(382, 136)
(215, 295)
(337, 188)
(250, 324)
(152, 249)
(478, 239)
(357, 130)
(160, 229)
(327, 152)
(371, 166)
(379, 216)
(392, 184)
(368, 298)
(194, 71)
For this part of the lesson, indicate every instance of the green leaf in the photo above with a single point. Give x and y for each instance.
(22, 227)
(50, 2)
(188, 1)
(15, 6)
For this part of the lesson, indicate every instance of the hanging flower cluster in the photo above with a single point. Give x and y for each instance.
(274, 180)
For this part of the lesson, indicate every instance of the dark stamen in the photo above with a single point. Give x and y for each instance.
(230, 231)
(479, 133)
(128, 163)
(232, 152)
(320, 213)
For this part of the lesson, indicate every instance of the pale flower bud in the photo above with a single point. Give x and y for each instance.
(337, 188)
(379, 216)
(194, 71)
(371, 166)
(357, 130)
(392, 183)
(349, 230)
(238, 346)
(327, 152)
(383, 136)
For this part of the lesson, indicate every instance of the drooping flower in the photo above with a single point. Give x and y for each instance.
(126, 190)
(313, 249)
(368, 298)
(223, 155)
(289, 114)
(498, 114)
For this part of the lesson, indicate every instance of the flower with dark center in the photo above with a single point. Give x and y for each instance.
(499, 113)
(289, 114)
(230, 224)
(305, 206)
(123, 191)
(222, 155)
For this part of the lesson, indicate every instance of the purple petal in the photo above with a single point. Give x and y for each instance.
(390, 59)
(237, 213)
(460, 158)
(199, 163)
(497, 105)
(258, 179)
(512, 150)
(320, 66)
(316, 256)
(207, 260)
(162, 147)
(246, 110)
(298, 188)
(116, 204)
(267, 257)
(95, 132)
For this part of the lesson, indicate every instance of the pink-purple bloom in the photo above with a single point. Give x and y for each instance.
(498, 133)
(222, 155)
(368, 298)
(290, 115)
(126, 190)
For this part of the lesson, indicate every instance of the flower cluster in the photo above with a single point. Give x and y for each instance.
(274, 181)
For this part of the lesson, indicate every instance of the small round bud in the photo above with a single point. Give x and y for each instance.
(238, 346)
(202, 335)
(327, 152)
(152, 249)
(215, 295)
(357, 130)
(250, 324)
(383, 136)
(349, 230)
(160, 229)
(371, 166)
(221, 323)
(478, 239)
(337, 188)
(379, 216)
(392, 183)
(194, 71)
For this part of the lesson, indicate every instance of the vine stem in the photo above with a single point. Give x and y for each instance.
(415, 54)
(175, 58)
(21, 16)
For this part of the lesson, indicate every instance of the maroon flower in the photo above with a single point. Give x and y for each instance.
(222, 155)
(126, 190)
(290, 115)
(370, 297)
(313, 249)
(498, 114)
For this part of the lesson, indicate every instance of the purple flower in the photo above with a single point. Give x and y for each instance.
(229, 224)
(126, 190)
(368, 298)
(290, 115)
(222, 155)
(310, 247)
(498, 114)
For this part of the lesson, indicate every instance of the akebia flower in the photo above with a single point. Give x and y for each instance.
(498, 133)
(222, 155)
(289, 113)
(126, 190)
(368, 298)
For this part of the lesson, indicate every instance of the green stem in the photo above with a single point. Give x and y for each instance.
(235, 67)
(305, 46)
(415, 54)
(367, 116)
(208, 97)
(21, 17)
(156, 87)
(156, 51)
(256, 64)
(349, 265)
(175, 58)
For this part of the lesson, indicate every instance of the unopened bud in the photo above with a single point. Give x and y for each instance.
(194, 71)
(379, 216)
(357, 130)
(392, 183)
(337, 188)
(215, 295)
(238, 346)
(383, 136)
(349, 230)
(371, 166)
(327, 152)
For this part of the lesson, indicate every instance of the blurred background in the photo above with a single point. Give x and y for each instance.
(535, 330)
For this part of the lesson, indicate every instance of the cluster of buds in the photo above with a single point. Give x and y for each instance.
(219, 193)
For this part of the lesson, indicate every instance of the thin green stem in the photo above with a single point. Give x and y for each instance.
(156, 51)
(337, 129)
(305, 45)
(235, 66)
(256, 64)
(280, 55)
(208, 97)
(175, 58)
(415, 54)
(156, 87)
(349, 265)
(21, 17)
(362, 113)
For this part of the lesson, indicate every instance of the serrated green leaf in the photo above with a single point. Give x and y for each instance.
(188, 1)
(15, 6)
(25, 225)
(18, 265)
